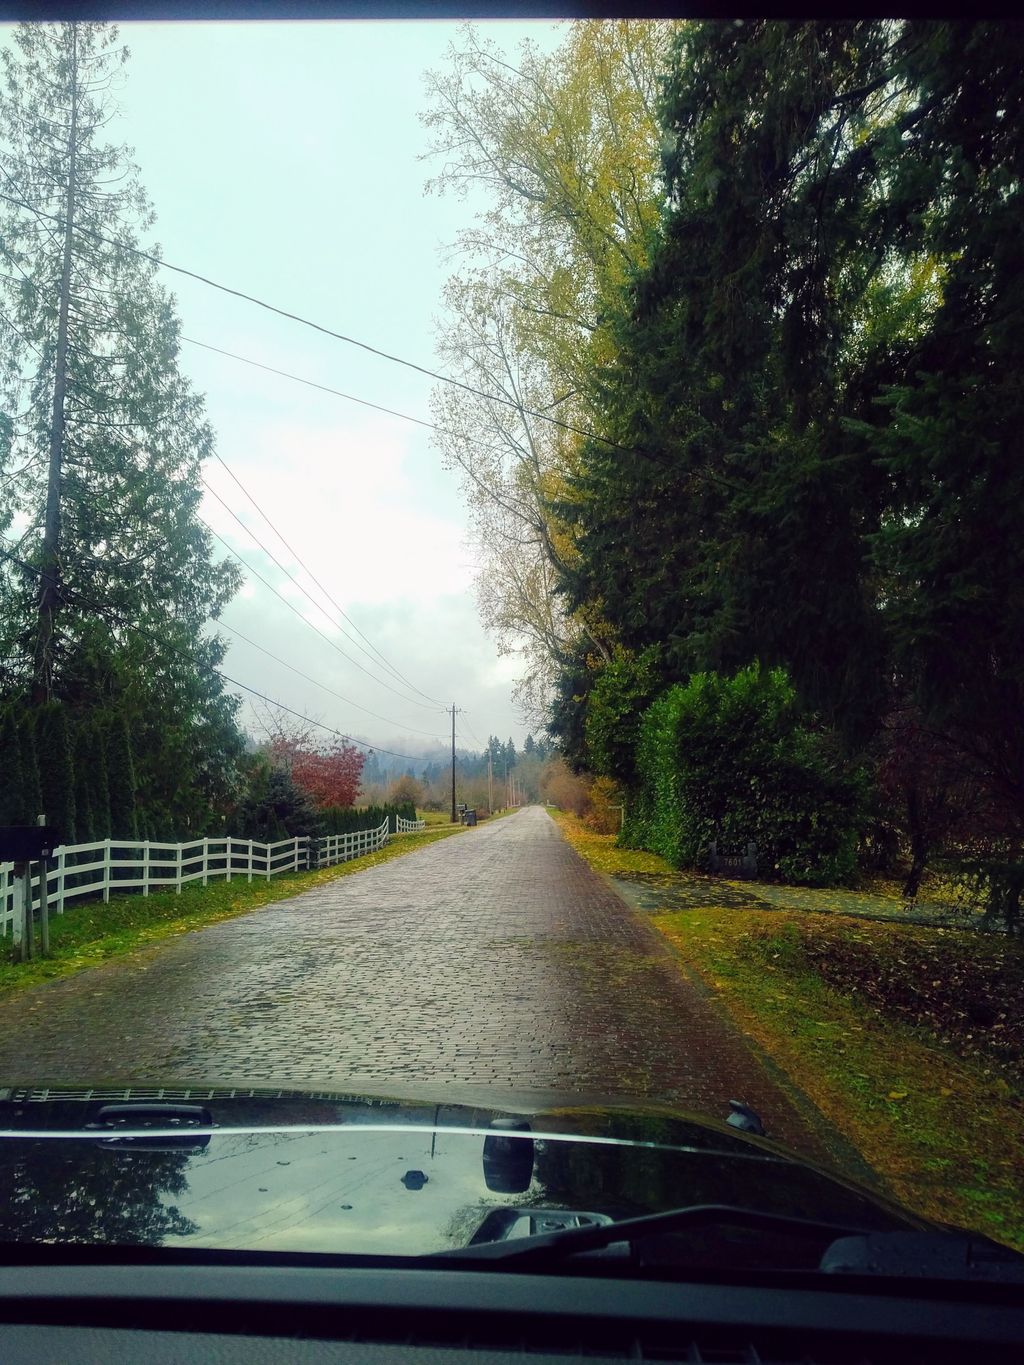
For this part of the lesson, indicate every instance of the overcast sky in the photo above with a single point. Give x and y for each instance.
(285, 160)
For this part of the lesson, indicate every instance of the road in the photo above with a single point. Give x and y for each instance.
(495, 961)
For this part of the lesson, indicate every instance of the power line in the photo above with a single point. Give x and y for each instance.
(312, 383)
(380, 681)
(391, 668)
(293, 608)
(473, 735)
(326, 331)
(406, 729)
(149, 635)
(341, 611)
(350, 739)
(467, 465)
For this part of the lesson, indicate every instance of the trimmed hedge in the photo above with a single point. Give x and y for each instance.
(346, 819)
(733, 759)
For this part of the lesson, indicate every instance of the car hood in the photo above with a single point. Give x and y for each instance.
(368, 1175)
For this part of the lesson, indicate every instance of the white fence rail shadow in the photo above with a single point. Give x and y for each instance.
(403, 826)
(87, 871)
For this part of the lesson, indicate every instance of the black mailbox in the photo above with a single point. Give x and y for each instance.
(27, 843)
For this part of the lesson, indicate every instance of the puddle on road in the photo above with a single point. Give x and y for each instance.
(661, 893)
(664, 893)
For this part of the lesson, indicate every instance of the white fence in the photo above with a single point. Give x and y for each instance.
(408, 826)
(339, 848)
(87, 871)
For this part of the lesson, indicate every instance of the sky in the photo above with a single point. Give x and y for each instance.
(288, 161)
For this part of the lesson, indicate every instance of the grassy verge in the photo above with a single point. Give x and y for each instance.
(944, 1131)
(91, 932)
(434, 819)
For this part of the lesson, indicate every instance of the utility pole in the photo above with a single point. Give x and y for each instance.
(454, 710)
(489, 779)
(42, 683)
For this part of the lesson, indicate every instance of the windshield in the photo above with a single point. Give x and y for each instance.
(510, 597)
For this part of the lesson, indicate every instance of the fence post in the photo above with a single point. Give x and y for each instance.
(60, 880)
(106, 871)
(177, 870)
(19, 925)
(145, 867)
(44, 901)
(206, 862)
(44, 908)
(250, 860)
(266, 863)
(227, 853)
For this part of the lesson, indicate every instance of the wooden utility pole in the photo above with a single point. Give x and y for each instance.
(490, 775)
(454, 710)
(49, 591)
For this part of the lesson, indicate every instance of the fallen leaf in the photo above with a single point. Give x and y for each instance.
(896, 1095)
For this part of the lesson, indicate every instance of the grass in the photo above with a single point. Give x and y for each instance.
(437, 818)
(91, 932)
(944, 1131)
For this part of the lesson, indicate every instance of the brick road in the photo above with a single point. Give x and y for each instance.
(496, 960)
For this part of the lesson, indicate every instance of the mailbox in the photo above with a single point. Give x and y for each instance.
(27, 843)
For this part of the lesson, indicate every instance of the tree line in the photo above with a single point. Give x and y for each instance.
(786, 521)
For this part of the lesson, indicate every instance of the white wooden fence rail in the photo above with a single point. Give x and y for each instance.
(403, 826)
(339, 848)
(85, 871)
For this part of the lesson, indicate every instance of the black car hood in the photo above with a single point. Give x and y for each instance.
(351, 1174)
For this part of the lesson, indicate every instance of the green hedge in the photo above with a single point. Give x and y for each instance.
(345, 819)
(733, 759)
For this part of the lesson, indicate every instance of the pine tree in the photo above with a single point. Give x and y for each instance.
(111, 604)
(121, 779)
(99, 789)
(12, 784)
(85, 815)
(56, 769)
(31, 792)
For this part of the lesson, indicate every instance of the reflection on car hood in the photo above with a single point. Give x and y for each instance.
(304, 1172)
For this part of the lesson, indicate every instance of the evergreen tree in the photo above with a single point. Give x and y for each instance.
(12, 782)
(816, 398)
(85, 814)
(109, 452)
(121, 780)
(56, 770)
(31, 791)
(99, 789)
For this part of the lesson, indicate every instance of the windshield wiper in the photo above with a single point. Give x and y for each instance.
(554, 1246)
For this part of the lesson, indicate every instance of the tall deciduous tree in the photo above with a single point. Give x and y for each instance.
(565, 148)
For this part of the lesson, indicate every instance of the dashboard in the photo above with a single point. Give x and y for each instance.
(262, 1313)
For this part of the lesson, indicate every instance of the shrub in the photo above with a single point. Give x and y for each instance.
(563, 788)
(604, 816)
(624, 689)
(405, 790)
(346, 819)
(274, 807)
(732, 760)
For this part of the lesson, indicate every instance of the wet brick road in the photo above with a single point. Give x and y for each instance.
(496, 960)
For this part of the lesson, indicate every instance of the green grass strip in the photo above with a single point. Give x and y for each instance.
(91, 932)
(945, 1135)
